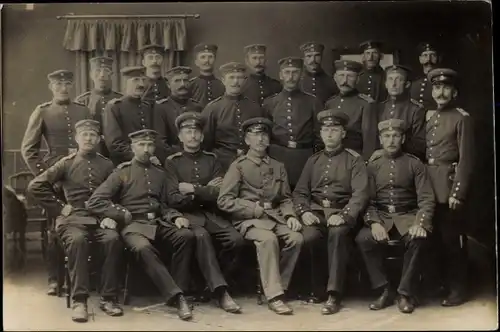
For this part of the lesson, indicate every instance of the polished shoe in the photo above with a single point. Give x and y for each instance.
(52, 289)
(227, 303)
(280, 307)
(405, 304)
(183, 308)
(331, 306)
(313, 299)
(453, 299)
(383, 301)
(80, 313)
(110, 307)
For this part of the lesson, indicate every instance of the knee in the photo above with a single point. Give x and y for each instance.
(186, 235)
(338, 232)
(295, 239)
(268, 239)
(141, 248)
(111, 237)
(364, 239)
(236, 240)
(75, 240)
(202, 235)
(310, 235)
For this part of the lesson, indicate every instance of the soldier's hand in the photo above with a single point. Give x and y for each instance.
(308, 218)
(417, 231)
(127, 217)
(66, 211)
(294, 224)
(453, 203)
(259, 211)
(217, 182)
(108, 223)
(379, 233)
(244, 226)
(186, 188)
(155, 161)
(181, 222)
(376, 154)
(335, 220)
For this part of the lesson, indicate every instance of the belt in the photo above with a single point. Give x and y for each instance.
(395, 209)
(265, 204)
(144, 216)
(434, 162)
(295, 145)
(330, 204)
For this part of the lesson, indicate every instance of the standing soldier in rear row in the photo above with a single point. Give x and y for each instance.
(205, 87)
(55, 121)
(450, 158)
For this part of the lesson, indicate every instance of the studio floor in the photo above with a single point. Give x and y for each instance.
(26, 307)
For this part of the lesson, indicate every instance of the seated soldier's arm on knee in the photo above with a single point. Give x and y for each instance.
(286, 202)
(168, 213)
(360, 192)
(302, 192)
(425, 195)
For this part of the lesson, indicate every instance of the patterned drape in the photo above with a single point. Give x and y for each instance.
(121, 39)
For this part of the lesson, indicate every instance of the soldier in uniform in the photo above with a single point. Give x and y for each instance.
(206, 87)
(314, 79)
(194, 178)
(156, 84)
(125, 115)
(97, 98)
(295, 131)
(330, 195)
(449, 135)
(80, 173)
(258, 86)
(401, 208)
(421, 88)
(372, 78)
(224, 116)
(168, 109)
(361, 109)
(399, 106)
(53, 121)
(256, 193)
(135, 195)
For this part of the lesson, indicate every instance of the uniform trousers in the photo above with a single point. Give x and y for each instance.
(182, 244)
(75, 238)
(276, 265)
(373, 256)
(52, 251)
(338, 241)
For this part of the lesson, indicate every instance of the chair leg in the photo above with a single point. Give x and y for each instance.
(44, 239)
(67, 282)
(126, 296)
(260, 295)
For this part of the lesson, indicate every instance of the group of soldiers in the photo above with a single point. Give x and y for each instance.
(302, 166)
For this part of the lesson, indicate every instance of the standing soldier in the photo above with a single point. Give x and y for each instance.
(295, 131)
(156, 84)
(372, 78)
(450, 158)
(401, 208)
(256, 193)
(421, 88)
(168, 109)
(329, 197)
(97, 98)
(258, 86)
(125, 115)
(315, 80)
(135, 195)
(224, 116)
(361, 109)
(399, 106)
(194, 178)
(206, 87)
(53, 121)
(80, 174)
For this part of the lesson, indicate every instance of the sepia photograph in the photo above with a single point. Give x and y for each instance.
(209, 166)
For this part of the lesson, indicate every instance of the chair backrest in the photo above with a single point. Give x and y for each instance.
(19, 181)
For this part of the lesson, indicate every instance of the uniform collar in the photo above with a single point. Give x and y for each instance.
(88, 156)
(316, 74)
(141, 164)
(62, 102)
(393, 157)
(192, 155)
(376, 69)
(335, 152)
(207, 77)
(256, 159)
(135, 100)
(179, 100)
(351, 93)
(451, 105)
(292, 93)
(236, 98)
(258, 76)
(399, 99)
(101, 92)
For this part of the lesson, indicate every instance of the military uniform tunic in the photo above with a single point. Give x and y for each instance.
(259, 87)
(156, 89)
(253, 181)
(80, 174)
(421, 91)
(223, 133)
(165, 113)
(319, 84)
(296, 132)
(400, 197)
(413, 115)
(55, 122)
(121, 117)
(372, 83)
(205, 89)
(362, 127)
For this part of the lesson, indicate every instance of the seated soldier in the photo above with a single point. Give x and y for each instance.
(401, 208)
(194, 178)
(332, 191)
(255, 191)
(135, 196)
(80, 173)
